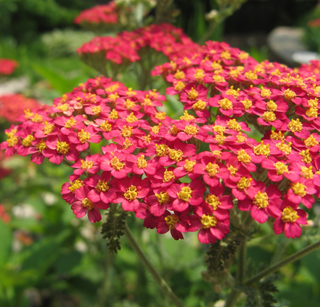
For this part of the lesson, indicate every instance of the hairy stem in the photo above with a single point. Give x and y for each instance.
(280, 264)
(160, 281)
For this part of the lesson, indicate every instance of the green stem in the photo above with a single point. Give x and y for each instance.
(160, 281)
(284, 262)
(241, 270)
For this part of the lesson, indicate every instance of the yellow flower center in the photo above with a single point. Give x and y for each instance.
(199, 75)
(234, 125)
(311, 141)
(269, 116)
(277, 136)
(225, 55)
(186, 116)
(27, 141)
(306, 157)
(11, 133)
(218, 79)
(232, 170)
(243, 156)
(244, 183)
(116, 164)
(163, 197)
(179, 75)
(208, 221)
(156, 129)
(96, 110)
(142, 162)
(288, 94)
(188, 166)
(175, 155)
(83, 136)
(225, 104)
(286, 148)
(251, 75)
(265, 92)
(114, 115)
(234, 93)
(87, 203)
(299, 189)
(185, 194)
(62, 148)
(69, 123)
(27, 114)
(307, 172)
(113, 97)
(247, 104)
(179, 86)
(212, 169)
(129, 104)
(241, 137)
(174, 130)
(193, 94)
(289, 215)
(191, 130)
(168, 176)
(216, 66)
(106, 126)
(213, 201)
(219, 138)
(200, 105)
(102, 186)
(261, 200)
(312, 112)
(218, 129)
(262, 150)
(131, 193)
(171, 220)
(162, 150)
(271, 106)
(126, 131)
(131, 118)
(74, 185)
(281, 168)
(295, 125)
(37, 118)
(41, 146)
(127, 143)
(86, 164)
(160, 115)
(48, 128)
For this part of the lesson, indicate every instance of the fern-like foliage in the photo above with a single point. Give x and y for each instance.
(113, 228)
(219, 252)
(260, 294)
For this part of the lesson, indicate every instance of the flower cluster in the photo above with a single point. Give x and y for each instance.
(99, 14)
(13, 105)
(128, 47)
(4, 216)
(7, 66)
(184, 175)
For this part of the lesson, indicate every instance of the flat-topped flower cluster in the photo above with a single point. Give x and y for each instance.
(7, 66)
(12, 106)
(183, 175)
(127, 47)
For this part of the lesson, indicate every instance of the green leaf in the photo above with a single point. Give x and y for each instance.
(5, 242)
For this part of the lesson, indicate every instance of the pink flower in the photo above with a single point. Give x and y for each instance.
(289, 220)
(84, 137)
(185, 194)
(130, 191)
(85, 205)
(302, 191)
(89, 165)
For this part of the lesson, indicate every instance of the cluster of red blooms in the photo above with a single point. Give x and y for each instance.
(127, 47)
(13, 105)
(3, 215)
(7, 66)
(105, 14)
(314, 23)
(184, 175)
